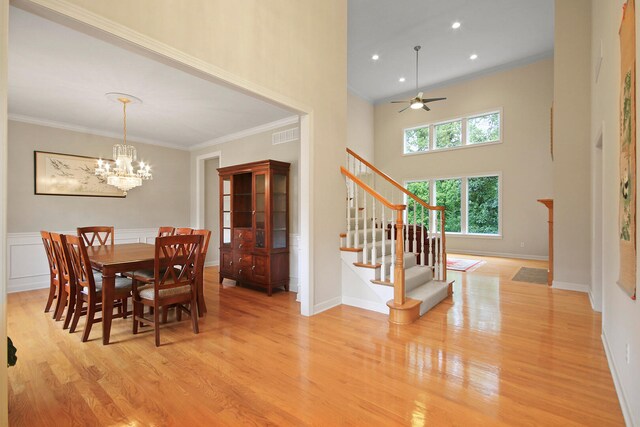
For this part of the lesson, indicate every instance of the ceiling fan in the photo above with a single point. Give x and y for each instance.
(417, 102)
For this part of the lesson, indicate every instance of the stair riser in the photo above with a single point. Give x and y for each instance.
(413, 281)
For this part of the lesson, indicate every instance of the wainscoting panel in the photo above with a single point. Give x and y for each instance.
(28, 265)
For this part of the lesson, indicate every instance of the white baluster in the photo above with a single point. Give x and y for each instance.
(365, 254)
(415, 237)
(374, 229)
(384, 246)
(393, 249)
(422, 254)
(405, 230)
(431, 258)
(348, 239)
(357, 216)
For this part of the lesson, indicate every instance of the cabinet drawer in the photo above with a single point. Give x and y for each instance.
(243, 239)
(242, 266)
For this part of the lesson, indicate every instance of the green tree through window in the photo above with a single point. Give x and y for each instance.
(483, 129)
(416, 140)
(483, 205)
(420, 189)
(448, 194)
(449, 134)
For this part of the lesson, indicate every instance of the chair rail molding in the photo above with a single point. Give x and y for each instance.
(27, 263)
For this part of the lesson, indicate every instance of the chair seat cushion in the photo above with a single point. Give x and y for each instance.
(122, 284)
(146, 275)
(146, 292)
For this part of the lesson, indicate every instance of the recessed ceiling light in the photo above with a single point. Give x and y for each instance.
(402, 79)
(375, 57)
(473, 57)
(455, 25)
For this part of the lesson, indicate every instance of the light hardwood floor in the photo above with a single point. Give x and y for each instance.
(499, 353)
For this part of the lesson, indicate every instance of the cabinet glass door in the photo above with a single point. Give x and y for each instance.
(279, 210)
(260, 188)
(226, 210)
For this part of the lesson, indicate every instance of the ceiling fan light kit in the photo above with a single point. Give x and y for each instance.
(418, 102)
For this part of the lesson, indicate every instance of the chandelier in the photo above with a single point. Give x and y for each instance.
(122, 175)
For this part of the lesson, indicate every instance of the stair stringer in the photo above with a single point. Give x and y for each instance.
(357, 289)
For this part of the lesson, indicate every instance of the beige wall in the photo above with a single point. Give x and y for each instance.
(571, 139)
(212, 209)
(4, 36)
(292, 51)
(525, 95)
(360, 126)
(161, 201)
(620, 314)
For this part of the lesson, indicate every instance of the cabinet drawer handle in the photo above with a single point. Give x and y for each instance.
(240, 271)
(240, 235)
(240, 245)
(230, 262)
(239, 259)
(253, 267)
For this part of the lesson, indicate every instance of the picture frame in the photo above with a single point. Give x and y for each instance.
(59, 174)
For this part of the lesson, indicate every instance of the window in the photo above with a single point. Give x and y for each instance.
(468, 131)
(449, 134)
(416, 140)
(472, 204)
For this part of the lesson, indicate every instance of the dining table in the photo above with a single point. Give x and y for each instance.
(114, 259)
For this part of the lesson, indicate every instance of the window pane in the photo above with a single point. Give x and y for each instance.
(416, 140)
(448, 194)
(483, 205)
(483, 129)
(449, 134)
(420, 189)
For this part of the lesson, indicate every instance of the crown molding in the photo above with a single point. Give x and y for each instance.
(81, 129)
(247, 132)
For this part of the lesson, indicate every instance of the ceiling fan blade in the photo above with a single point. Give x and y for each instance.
(404, 108)
(424, 107)
(399, 102)
(432, 100)
(420, 94)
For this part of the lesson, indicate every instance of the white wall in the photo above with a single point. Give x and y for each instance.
(620, 314)
(212, 209)
(4, 35)
(525, 95)
(250, 149)
(360, 126)
(571, 139)
(161, 201)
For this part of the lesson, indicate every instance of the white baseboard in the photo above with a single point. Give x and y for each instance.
(30, 285)
(498, 254)
(212, 263)
(365, 304)
(626, 413)
(323, 306)
(568, 286)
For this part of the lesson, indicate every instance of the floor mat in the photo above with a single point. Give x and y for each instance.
(531, 275)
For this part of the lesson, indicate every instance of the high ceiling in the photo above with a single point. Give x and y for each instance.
(502, 33)
(58, 75)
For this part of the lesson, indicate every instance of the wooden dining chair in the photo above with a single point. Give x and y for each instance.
(206, 236)
(54, 278)
(166, 231)
(89, 288)
(183, 231)
(97, 235)
(67, 292)
(174, 282)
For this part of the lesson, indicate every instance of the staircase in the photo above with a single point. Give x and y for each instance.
(399, 253)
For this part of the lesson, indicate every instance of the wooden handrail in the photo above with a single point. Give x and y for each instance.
(394, 183)
(371, 191)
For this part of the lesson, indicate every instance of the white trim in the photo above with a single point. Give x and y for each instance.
(212, 263)
(306, 272)
(365, 304)
(81, 129)
(496, 254)
(200, 184)
(593, 306)
(324, 306)
(247, 132)
(626, 413)
(568, 286)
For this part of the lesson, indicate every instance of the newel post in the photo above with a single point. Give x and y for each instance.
(398, 272)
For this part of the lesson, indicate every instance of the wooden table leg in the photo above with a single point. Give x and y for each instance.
(108, 291)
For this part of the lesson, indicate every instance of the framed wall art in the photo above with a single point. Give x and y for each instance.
(58, 174)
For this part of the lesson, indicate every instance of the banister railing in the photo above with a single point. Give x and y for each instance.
(414, 233)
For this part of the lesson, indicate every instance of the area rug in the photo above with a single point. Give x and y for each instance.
(460, 264)
(531, 275)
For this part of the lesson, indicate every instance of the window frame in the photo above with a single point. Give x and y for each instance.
(464, 203)
(464, 137)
